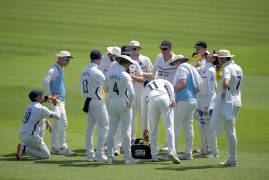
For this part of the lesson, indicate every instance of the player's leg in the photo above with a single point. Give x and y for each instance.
(114, 120)
(229, 127)
(133, 120)
(188, 129)
(101, 117)
(55, 147)
(91, 124)
(118, 140)
(154, 112)
(62, 126)
(179, 116)
(36, 147)
(202, 132)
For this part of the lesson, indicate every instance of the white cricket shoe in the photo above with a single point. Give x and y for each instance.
(20, 151)
(173, 158)
(67, 152)
(101, 158)
(132, 161)
(164, 149)
(229, 163)
(186, 157)
(154, 158)
(55, 151)
(109, 160)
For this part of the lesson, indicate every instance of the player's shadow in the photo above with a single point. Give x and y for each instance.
(187, 168)
(77, 163)
(12, 157)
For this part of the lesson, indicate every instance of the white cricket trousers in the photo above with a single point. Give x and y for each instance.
(58, 134)
(208, 138)
(156, 106)
(184, 119)
(229, 127)
(35, 146)
(96, 116)
(137, 108)
(119, 113)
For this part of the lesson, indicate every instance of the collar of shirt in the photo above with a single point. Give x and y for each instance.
(62, 69)
(228, 63)
(93, 64)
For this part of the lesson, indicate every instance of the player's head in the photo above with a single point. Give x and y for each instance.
(36, 96)
(95, 56)
(124, 61)
(177, 60)
(165, 46)
(126, 50)
(64, 58)
(112, 52)
(135, 46)
(200, 47)
(223, 56)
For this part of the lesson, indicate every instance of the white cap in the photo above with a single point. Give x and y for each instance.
(116, 51)
(178, 57)
(134, 43)
(64, 54)
(120, 57)
(223, 53)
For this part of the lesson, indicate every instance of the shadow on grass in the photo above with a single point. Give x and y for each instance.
(12, 157)
(77, 163)
(187, 168)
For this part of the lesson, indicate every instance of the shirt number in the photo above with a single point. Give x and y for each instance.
(238, 82)
(115, 88)
(155, 85)
(27, 117)
(85, 86)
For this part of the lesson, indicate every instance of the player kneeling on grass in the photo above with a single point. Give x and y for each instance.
(32, 129)
(158, 97)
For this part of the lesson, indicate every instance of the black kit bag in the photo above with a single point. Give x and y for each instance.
(140, 149)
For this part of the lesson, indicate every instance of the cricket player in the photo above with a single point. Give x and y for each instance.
(91, 87)
(32, 129)
(228, 103)
(186, 84)
(146, 67)
(119, 86)
(162, 69)
(159, 98)
(108, 58)
(54, 85)
(205, 104)
(199, 56)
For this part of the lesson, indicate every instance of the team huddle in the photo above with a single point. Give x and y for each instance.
(124, 83)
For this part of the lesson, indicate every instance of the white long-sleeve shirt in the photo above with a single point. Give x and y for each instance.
(91, 82)
(34, 114)
(162, 69)
(207, 94)
(118, 84)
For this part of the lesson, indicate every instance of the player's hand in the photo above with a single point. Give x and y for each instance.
(146, 134)
(206, 111)
(54, 99)
(172, 104)
(48, 126)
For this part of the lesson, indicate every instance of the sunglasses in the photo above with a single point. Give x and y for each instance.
(164, 49)
(135, 49)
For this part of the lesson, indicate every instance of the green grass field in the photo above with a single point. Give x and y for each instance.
(33, 31)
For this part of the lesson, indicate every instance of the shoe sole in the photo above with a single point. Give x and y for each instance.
(18, 157)
(173, 159)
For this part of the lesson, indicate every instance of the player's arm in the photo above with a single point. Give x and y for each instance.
(170, 89)
(130, 89)
(144, 111)
(180, 79)
(48, 113)
(47, 79)
(211, 81)
(226, 81)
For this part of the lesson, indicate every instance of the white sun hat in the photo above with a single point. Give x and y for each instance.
(135, 43)
(224, 53)
(116, 51)
(179, 57)
(124, 57)
(64, 54)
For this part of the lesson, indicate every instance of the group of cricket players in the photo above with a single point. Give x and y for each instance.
(123, 83)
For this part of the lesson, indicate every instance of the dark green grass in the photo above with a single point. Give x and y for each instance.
(33, 31)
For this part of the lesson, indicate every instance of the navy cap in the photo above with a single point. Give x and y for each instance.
(201, 44)
(166, 44)
(126, 50)
(34, 94)
(95, 54)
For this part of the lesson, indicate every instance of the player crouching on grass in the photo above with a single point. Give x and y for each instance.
(32, 129)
